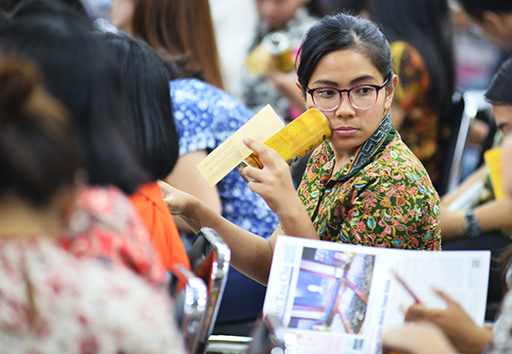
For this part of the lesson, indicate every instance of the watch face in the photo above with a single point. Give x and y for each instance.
(472, 227)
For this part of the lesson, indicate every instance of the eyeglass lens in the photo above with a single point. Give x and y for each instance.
(360, 97)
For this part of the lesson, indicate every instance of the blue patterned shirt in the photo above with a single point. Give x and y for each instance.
(205, 116)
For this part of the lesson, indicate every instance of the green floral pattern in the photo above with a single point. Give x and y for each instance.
(388, 201)
(420, 126)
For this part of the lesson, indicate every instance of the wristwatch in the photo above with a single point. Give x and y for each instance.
(472, 227)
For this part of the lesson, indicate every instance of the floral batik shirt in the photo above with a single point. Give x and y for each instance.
(420, 126)
(105, 225)
(53, 302)
(383, 197)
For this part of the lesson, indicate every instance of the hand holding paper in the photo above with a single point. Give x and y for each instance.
(231, 152)
(274, 182)
(454, 321)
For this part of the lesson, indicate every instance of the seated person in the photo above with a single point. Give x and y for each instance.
(487, 226)
(362, 186)
(51, 301)
(148, 117)
(274, 86)
(463, 333)
(105, 225)
(205, 116)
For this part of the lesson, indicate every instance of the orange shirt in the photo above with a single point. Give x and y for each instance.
(164, 234)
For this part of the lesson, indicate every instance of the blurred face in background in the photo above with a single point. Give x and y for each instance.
(121, 13)
(503, 119)
(277, 13)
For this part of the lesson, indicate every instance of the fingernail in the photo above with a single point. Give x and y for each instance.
(246, 140)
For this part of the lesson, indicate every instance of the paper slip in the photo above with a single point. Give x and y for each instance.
(233, 151)
(493, 160)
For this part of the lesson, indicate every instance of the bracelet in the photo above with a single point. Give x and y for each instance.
(472, 227)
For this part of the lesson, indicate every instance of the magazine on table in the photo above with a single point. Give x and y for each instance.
(340, 298)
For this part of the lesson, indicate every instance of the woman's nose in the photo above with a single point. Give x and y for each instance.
(345, 109)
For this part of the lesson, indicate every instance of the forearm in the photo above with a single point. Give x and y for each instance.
(250, 254)
(476, 177)
(181, 224)
(187, 178)
(286, 84)
(295, 220)
(474, 341)
(493, 215)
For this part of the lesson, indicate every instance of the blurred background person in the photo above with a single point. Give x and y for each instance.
(104, 224)
(51, 301)
(420, 35)
(270, 85)
(149, 119)
(463, 333)
(233, 35)
(486, 225)
(494, 18)
(205, 116)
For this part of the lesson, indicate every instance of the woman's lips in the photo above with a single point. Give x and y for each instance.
(346, 131)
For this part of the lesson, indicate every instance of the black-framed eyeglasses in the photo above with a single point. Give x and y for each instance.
(328, 99)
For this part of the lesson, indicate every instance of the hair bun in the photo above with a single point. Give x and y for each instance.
(18, 80)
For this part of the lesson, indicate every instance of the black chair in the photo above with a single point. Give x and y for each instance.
(454, 137)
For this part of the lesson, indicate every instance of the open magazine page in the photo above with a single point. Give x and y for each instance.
(339, 298)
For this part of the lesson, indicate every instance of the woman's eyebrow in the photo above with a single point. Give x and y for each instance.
(362, 79)
(354, 82)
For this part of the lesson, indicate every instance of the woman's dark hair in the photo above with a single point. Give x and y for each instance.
(500, 88)
(3, 18)
(149, 115)
(343, 31)
(78, 71)
(37, 152)
(349, 6)
(426, 26)
(46, 6)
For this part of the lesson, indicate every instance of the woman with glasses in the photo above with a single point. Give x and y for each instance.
(363, 185)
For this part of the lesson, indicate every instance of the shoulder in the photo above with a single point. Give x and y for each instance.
(398, 164)
(321, 156)
(105, 206)
(120, 308)
(406, 57)
(401, 48)
(104, 216)
(205, 97)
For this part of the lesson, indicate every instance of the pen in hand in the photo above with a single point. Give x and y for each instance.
(406, 287)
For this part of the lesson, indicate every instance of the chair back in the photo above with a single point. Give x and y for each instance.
(464, 110)
(190, 297)
(209, 259)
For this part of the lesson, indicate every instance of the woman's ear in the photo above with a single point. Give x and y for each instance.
(390, 91)
(300, 90)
